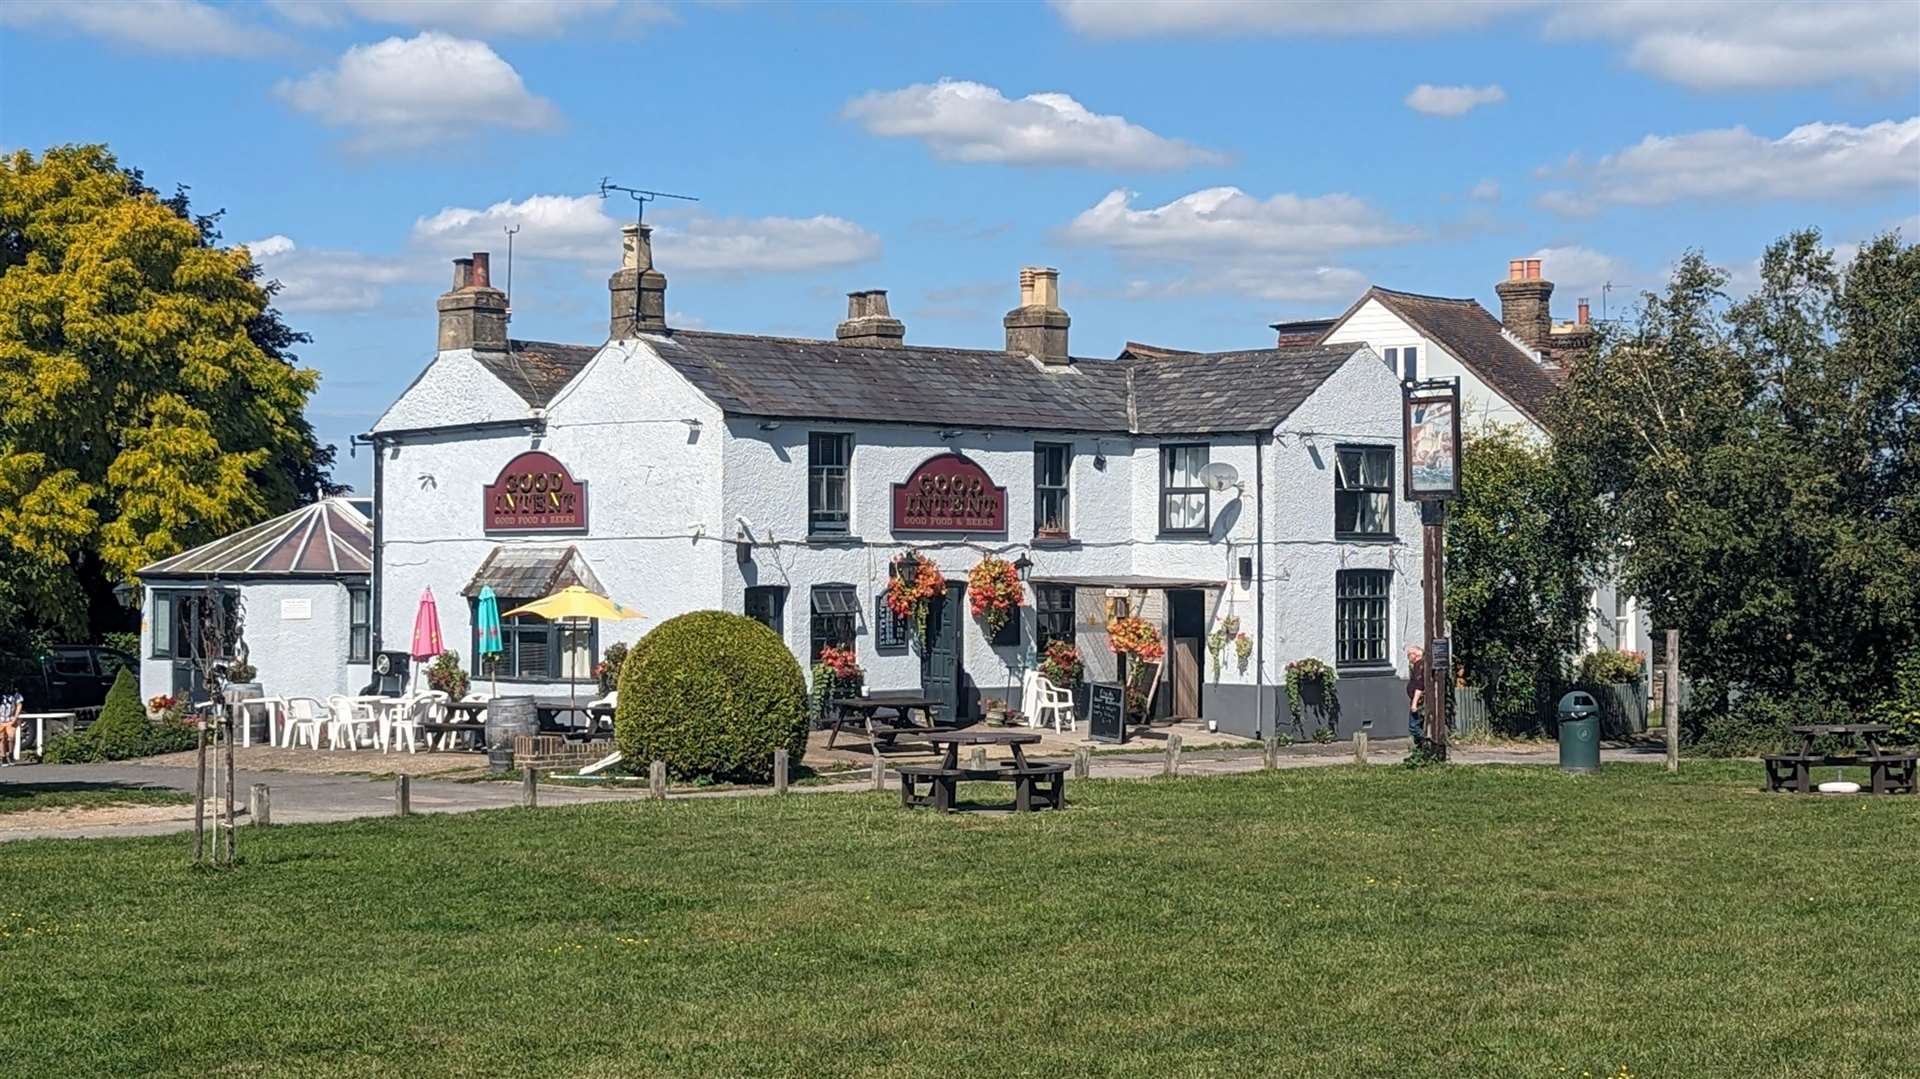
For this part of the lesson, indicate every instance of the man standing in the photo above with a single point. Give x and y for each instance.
(1416, 694)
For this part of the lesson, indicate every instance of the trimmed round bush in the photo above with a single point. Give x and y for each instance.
(714, 695)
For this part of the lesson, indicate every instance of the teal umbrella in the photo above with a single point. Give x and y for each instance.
(486, 618)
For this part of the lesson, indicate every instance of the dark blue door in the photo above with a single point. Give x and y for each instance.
(940, 657)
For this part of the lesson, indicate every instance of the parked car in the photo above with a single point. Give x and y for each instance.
(74, 676)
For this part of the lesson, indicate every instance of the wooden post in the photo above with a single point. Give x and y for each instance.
(529, 787)
(879, 773)
(1172, 766)
(978, 759)
(402, 796)
(1433, 520)
(1082, 762)
(1670, 707)
(1270, 753)
(657, 780)
(231, 839)
(260, 804)
(779, 771)
(200, 793)
(1360, 747)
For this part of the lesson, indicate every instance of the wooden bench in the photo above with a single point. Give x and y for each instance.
(1791, 771)
(1035, 786)
(1891, 773)
(478, 730)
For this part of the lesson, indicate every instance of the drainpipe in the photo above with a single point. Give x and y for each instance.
(1259, 588)
(373, 578)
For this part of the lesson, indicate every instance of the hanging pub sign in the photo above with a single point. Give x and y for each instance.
(1432, 427)
(535, 493)
(949, 493)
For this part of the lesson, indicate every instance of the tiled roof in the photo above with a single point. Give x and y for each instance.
(522, 572)
(1137, 350)
(536, 370)
(1217, 392)
(329, 538)
(1476, 339)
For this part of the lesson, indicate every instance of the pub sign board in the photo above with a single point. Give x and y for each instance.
(1107, 711)
(1432, 430)
(949, 493)
(535, 493)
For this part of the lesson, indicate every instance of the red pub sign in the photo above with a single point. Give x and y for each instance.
(949, 493)
(535, 493)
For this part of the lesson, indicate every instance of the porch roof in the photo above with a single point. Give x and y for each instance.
(1125, 580)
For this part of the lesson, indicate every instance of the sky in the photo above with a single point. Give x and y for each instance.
(1196, 170)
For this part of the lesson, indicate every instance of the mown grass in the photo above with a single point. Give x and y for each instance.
(1328, 922)
(22, 797)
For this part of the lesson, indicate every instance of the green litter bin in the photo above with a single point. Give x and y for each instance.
(1579, 732)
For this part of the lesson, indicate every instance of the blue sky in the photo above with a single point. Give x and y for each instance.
(1195, 170)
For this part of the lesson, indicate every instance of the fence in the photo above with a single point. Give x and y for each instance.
(1623, 712)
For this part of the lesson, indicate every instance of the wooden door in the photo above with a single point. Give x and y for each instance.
(941, 657)
(1187, 626)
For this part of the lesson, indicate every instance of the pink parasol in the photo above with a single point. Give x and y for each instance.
(426, 629)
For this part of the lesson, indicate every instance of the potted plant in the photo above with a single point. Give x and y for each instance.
(1310, 683)
(1223, 636)
(994, 592)
(607, 671)
(836, 675)
(446, 676)
(1136, 639)
(913, 583)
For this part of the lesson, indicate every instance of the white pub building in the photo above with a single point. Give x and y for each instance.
(677, 470)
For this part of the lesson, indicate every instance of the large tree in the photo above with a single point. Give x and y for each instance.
(148, 398)
(1760, 460)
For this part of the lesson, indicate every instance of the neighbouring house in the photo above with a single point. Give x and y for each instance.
(677, 469)
(1508, 369)
(303, 581)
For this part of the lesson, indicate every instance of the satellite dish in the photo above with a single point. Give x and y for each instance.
(1220, 476)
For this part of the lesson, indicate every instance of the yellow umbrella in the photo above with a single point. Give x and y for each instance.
(574, 602)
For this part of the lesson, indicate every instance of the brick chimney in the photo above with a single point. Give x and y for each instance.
(473, 314)
(868, 323)
(1525, 302)
(1038, 327)
(637, 293)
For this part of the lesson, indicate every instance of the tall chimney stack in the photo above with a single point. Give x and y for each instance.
(473, 314)
(869, 324)
(637, 293)
(1038, 327)
(1526, 303)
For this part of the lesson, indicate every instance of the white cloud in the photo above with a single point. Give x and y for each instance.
(1286, 247)
(968, 121)
(1581, 271)
(1710, 45)
(329, 281)
(1487, 190)
(571, 227)
(479, 18)
(182, 27)
(1813, 161)
(1909, 228)
(1703, 44)
(1142, 18)
(1452, 100)
(415, 92)
(762, 244)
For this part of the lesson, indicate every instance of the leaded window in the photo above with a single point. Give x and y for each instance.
(1361, 617)
(1052, 463)
(829, 458)
(836, 617)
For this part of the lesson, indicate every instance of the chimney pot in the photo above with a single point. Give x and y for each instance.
(1038, 327)
(869, 324)
(462, 273)
(1585, 311)
(473, 314)
(1533, 269)
(1516, 269)
(481, 273)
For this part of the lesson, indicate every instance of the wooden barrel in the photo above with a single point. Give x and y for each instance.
(507, 717)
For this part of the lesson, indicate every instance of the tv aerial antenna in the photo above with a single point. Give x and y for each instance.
(641, 196)
(510, 232)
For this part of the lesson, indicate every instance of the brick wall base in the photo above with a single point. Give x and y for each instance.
(551, 751)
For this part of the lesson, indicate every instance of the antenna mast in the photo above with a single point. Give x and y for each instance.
(510, 232)
(641, 196)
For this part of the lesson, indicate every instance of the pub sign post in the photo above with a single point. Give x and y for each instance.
(1430, 413)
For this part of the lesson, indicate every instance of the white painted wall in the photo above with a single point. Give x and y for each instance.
(1373, 324)
(454, 384)
(296, 657)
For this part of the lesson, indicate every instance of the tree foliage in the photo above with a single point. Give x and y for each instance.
(148, 400)
(1525, 544)
(1760, 460)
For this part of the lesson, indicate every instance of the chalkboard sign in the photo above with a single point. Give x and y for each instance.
(889, 629)
(1107, 711)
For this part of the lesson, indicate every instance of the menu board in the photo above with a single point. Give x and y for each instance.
(889, 629)
(1107, 711)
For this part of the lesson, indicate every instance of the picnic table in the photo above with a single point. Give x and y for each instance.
(902, 703)
(1035, 786)
(1889, 772)
(453, 727)
(550, 711)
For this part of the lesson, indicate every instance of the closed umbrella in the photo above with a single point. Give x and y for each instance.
(426, 631)
(487, 625)
(575, 603)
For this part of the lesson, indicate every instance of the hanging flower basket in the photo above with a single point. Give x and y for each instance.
(1136, 638)
(1242, 650)
(836, 674)
(1310, 678)
(1061, 665)
(912, 584)
(1217, 641)
(994, 592)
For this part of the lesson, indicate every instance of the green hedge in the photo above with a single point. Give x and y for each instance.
(122, 732)
(714, 695)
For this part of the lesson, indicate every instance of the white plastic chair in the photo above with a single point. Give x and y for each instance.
(402, 717)
(1048, 699)
(348, 720)
(305, 717)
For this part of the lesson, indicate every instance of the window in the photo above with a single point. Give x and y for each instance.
(1622, 620)
(766, 604)
(836, 616)
(73, 664)
(1410, 363)
(533, 649)
(1360, 614)
(1363, 491)
(1183, 495)
(160, 624)
(111, 663)
(828, 457)
(1052, 463)
(359, 625)
(1053, 615)
(174, 616)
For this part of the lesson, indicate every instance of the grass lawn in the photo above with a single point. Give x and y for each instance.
(1327, 921)
(21, 797)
